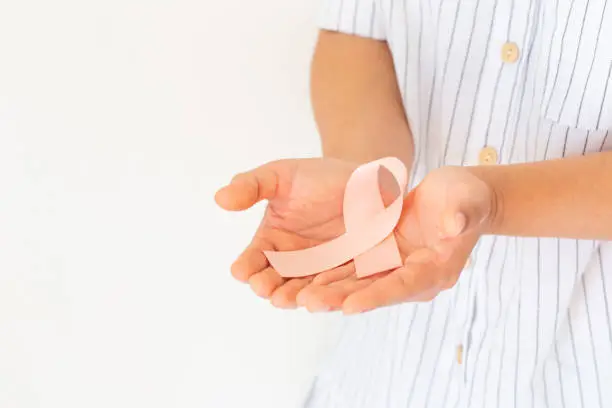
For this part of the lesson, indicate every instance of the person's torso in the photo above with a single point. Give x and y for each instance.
(528, 325)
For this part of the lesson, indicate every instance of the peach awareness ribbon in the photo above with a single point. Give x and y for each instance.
(369, 225)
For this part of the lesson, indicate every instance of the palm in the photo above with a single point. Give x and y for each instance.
(429, 234)
(307, 206)
(304, 209)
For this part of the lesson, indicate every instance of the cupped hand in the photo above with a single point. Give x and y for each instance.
(304, 209)
(442, 219)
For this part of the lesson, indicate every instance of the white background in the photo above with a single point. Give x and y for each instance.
(118, 121)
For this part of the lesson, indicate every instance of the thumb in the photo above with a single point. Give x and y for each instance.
(460, 227)
(247, 189)
(464, 216)
(454, 222)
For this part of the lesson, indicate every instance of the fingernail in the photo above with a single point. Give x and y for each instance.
(318, 308)
(454, 225)
(353, 310)
(282, 303)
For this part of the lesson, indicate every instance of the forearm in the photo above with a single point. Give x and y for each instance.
(570, 198)
(356, 100)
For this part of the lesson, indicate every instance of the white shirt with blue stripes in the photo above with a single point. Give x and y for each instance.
(528, 324)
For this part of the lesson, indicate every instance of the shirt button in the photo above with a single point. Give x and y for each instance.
(488, 155)
(510, 52)
(460, 354)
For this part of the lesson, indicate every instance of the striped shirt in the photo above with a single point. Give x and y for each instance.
(528, 324)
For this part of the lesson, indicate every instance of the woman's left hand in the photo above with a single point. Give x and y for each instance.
(442, 220)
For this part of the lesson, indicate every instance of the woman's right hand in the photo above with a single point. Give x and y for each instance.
(305, 198)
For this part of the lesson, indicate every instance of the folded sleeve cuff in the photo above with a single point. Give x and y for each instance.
(357, 17)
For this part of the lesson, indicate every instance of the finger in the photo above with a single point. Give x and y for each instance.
(446, 248)
(252, 260)
(285, 296)
(399, 286)
(334, 275)
(248, 188)
(441, 258)
(426, 296)
(454, 250)
(317, 298)
(423, 255)
(449, 282)
(265, 282)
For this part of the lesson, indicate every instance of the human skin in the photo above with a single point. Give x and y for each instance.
(361, 118)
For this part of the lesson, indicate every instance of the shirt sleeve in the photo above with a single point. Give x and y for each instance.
(358, 17)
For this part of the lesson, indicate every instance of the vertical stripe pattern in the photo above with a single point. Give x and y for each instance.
(532, 316)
